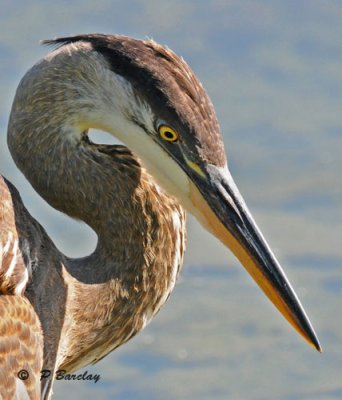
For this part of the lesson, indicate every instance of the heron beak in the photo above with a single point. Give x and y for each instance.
(221, 209)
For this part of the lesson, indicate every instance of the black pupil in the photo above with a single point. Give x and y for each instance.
(169, 135)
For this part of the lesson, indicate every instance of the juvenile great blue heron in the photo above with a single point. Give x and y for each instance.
(63, 313)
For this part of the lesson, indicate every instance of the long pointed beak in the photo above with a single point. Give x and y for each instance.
(221, 209)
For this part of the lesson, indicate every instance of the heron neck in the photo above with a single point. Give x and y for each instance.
(100, 185)
(103, 186)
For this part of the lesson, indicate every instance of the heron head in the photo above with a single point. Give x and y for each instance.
(168, 119)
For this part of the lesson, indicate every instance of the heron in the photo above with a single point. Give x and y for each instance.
(64, 313)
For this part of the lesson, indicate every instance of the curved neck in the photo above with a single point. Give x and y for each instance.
(104, 186)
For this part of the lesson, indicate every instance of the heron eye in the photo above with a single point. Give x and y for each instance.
(168, 133)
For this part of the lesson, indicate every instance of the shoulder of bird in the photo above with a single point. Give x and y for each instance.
(21, 333)
(21, 241)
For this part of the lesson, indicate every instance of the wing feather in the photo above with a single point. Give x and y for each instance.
(21, 349)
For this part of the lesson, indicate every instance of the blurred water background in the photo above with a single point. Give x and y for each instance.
(273, 70)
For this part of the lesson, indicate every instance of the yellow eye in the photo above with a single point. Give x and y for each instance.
(168, 133)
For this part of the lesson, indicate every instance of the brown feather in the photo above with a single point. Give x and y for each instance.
(21, 347)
